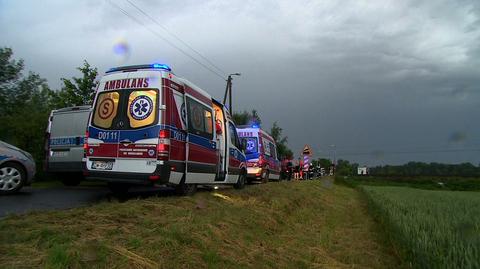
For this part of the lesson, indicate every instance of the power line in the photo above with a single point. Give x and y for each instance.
(176, 37)
(166, 40)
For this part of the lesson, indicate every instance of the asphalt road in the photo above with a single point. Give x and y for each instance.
(54, 198)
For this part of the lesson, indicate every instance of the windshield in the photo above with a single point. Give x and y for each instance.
(126, 109)
(252, 144)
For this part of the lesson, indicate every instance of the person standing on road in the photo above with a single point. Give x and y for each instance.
(289, 170)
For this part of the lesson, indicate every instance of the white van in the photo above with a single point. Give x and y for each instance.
(64, 144)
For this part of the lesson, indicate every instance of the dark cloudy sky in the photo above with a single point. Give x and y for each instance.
(383, 81)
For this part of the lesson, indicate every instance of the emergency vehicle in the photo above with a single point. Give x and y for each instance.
(151, 127)
(65, 136)
(261, 153)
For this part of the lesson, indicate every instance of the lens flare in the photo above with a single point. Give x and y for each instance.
(121, 49)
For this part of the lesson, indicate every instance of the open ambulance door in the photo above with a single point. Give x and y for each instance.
(222, 146)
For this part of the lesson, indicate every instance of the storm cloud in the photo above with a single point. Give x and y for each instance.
(383, 81)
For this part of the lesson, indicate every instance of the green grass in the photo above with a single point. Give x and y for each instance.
(274, 225)
(428, 183)
(433, 229)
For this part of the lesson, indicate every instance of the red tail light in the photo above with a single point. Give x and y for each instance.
(261, 161)
(163, 147)
(85, 144)
(154, 178)
(164, 133)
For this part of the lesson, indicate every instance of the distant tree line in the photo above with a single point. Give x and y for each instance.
(322, 162)
(427, 169)
(26, 101)
(412, 169)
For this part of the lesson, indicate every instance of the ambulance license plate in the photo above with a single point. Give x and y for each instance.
(102, 165)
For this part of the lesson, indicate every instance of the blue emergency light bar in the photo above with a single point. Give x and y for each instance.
(255, 125)
(141, 66)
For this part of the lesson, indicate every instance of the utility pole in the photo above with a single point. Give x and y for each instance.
(334, 154)
(228, 91)
(334, 158)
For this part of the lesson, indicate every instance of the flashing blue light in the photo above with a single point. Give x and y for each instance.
(255, 126)
(137, 67)
(162, 66)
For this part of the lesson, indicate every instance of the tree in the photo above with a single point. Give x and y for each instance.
(282, 149)
(413, 169)
(246, 118)
(325, 163)
(10, 72)
(345, 168)
(255, 119)
(78, 91)
(26, 101)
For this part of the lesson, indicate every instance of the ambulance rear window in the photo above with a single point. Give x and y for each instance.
(126, 109)
(106, 108)
(142, 108)
(252, 144)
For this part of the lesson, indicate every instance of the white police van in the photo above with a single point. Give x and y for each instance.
(64, 143)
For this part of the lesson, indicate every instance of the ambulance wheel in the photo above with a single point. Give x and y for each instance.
(118, 188)
(265, 176)
(184, 189)
(241, 180)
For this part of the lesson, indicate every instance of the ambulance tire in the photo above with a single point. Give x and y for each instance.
(184, 189)
(118, 188)
(265, 176)
(241, 180)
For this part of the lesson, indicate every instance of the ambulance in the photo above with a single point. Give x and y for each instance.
(151, 127)
(261, 153)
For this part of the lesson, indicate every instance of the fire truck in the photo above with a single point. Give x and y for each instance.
(150, 127)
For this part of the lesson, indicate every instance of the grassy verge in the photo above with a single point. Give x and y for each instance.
(275, 225)
(435, 229)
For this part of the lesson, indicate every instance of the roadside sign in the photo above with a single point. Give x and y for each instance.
(307, 150)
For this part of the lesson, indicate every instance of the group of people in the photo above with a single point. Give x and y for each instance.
(300, 172)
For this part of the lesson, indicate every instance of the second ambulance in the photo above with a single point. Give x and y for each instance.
(261, 153)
